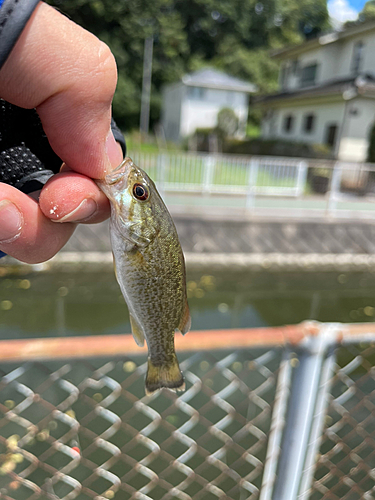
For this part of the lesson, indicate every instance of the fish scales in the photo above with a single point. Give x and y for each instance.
(150, 270)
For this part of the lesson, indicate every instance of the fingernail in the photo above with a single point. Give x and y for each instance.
(11, 221)
(114, 151)
(85, 210)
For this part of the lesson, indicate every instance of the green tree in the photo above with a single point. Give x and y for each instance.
(124, 25)
(227, 123)
(234, 36)
(237, 36)
(368, 11)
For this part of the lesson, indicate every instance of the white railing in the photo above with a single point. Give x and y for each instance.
(267, 185)
(220, 174)
(351, 184)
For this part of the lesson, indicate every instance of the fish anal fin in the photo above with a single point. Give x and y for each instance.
(137, 332)
(167, 375)
(185, 321)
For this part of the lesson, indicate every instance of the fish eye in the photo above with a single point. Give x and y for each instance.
(140, 192)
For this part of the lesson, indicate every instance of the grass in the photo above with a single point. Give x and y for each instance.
(135, 143)
(252, 131)
(182, 170)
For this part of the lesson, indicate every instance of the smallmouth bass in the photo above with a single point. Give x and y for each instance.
(150, 269)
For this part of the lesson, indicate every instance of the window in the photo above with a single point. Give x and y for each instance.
(357, 57)
(288, 123)
(284, 75)
(295, 67)
(331, 133)
(308, 123)
(196, 92)
(308, 75)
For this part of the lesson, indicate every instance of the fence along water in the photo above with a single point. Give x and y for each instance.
(286, 186)
(284, 413)
(220, 174)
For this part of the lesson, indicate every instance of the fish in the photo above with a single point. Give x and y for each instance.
(150, 269)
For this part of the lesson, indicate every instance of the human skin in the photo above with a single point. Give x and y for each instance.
(69, 76)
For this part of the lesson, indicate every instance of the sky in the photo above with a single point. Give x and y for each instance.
(345, 10)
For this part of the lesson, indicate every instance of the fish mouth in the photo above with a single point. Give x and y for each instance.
(118, 174)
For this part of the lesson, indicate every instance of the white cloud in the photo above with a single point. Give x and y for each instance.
(341, 11)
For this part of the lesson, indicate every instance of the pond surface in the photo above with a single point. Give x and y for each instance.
(65, 304)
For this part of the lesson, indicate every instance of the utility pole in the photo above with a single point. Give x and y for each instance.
(146, 86)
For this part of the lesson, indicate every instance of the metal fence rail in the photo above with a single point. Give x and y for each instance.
(75, 423)
(266, 185)
(233, 174)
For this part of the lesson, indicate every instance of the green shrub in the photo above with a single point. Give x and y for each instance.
(277, 147)
(227, 123)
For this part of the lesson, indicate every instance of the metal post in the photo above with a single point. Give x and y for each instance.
(146, 85)
(301, 178)
(277, 426)
(318, 423)
(300, 419)
(252, 183)
(208, 174)
(334, 188)
(160, 175)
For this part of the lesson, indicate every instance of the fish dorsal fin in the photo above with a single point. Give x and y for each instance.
(185, 321)
(137, 332)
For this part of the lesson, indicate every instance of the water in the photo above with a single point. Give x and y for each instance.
(64, 304)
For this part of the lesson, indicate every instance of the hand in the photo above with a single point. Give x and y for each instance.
(69, 76)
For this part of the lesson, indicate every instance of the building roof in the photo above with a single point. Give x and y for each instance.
(211, 78)
(348, 88)
(324, 39)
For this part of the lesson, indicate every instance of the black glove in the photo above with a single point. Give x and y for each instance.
(27, 160)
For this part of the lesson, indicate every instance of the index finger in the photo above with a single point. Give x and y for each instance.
(69, 76)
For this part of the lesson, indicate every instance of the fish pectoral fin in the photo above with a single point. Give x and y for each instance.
(185, 321)
(137, 332)
(134, 233)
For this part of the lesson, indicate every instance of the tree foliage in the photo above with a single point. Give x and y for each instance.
(368, 11)
(227, 123)
(234, 36)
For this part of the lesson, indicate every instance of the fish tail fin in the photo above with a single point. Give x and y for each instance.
(166, 375)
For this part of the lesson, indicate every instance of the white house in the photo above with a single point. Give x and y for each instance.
(327, 93)
(195, 101)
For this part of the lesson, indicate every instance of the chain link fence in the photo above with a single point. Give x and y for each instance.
(345, 467)
(75, 425)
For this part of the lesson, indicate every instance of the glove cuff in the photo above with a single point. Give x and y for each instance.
(14, 15)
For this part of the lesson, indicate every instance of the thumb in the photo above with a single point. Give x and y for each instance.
(69, 76)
